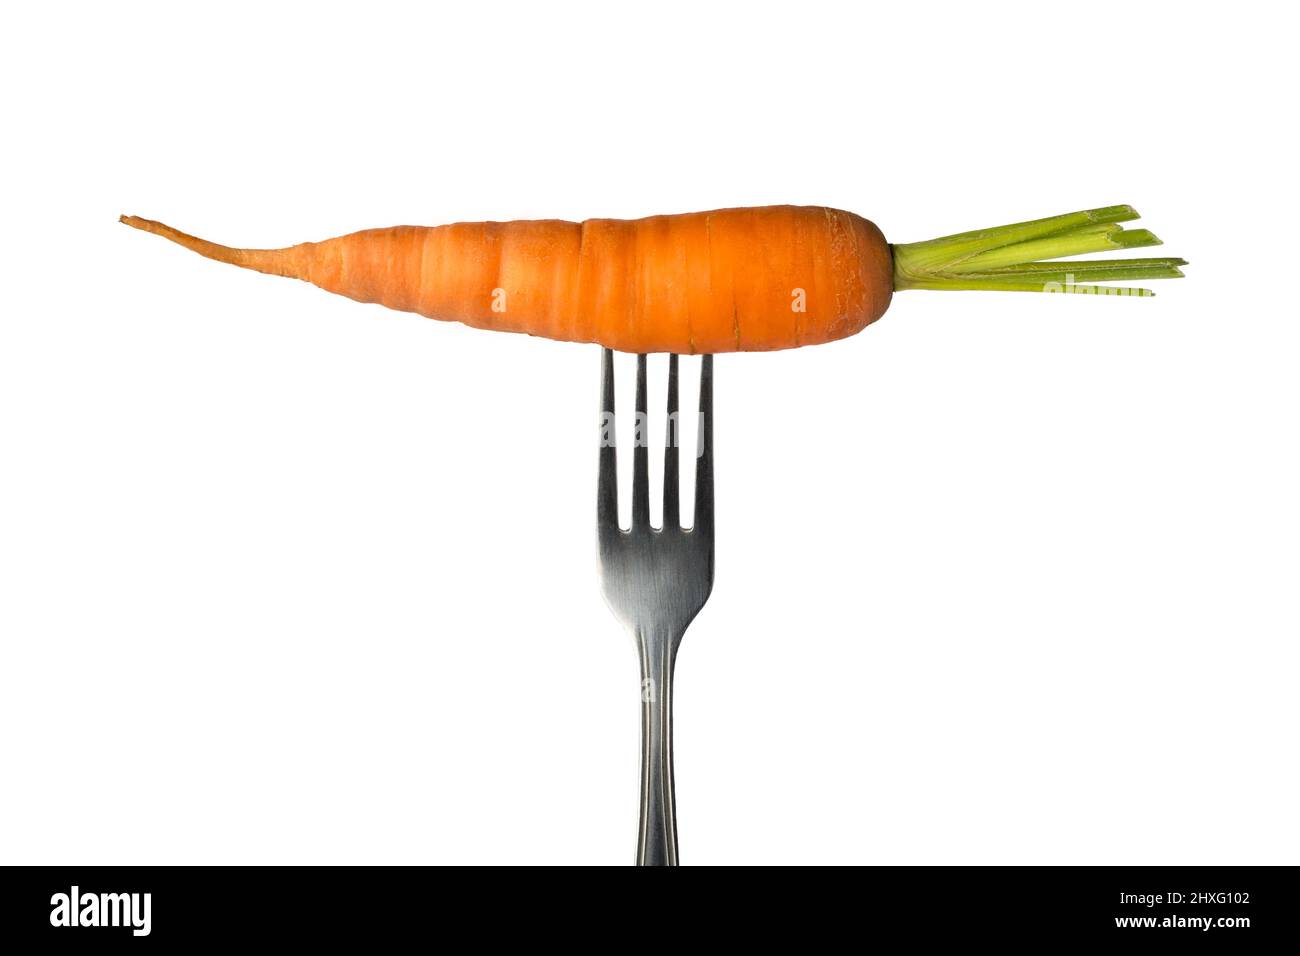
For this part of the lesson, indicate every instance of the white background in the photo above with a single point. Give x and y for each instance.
(1003, 579)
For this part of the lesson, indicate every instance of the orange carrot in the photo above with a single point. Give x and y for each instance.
(771, 277)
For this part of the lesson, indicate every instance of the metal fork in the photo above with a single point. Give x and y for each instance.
(655, 580)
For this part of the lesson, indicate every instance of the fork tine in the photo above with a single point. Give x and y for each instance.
(607, 484)
(672, 501)
(640, 453)
(704, 463)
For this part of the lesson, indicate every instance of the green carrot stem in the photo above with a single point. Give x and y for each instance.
(1057, 247)
(925, 256)
(1102, 214)
(1094, 270)
(1011, 258)
(1010, 285)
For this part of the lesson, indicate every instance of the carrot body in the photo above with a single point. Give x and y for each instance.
(730, 280)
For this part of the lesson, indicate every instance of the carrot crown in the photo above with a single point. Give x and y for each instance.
(1015, 258)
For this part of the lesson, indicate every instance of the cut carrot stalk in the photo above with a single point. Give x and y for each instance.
(1014, 258)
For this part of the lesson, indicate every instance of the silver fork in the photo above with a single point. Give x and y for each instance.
(655, 580)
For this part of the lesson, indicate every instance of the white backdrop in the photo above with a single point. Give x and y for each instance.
(1003, 579)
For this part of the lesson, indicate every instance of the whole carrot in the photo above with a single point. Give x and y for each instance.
(756, 279)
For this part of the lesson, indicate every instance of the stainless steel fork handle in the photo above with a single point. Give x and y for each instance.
(657, 838)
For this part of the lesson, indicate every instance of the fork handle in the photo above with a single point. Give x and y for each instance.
(657, 837)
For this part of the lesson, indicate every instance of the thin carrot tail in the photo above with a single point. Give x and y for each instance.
(288, 262)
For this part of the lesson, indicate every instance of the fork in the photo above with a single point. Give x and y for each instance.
(655, 580)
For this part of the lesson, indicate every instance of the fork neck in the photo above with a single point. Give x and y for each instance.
(657, 835)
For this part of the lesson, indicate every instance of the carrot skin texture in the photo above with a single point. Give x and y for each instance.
(751, 279)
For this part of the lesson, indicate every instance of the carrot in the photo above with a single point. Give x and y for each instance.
(771, 277)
